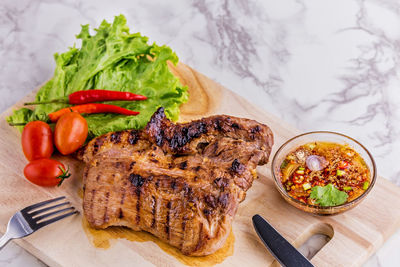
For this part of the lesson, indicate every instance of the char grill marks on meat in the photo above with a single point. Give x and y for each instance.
(181, 182)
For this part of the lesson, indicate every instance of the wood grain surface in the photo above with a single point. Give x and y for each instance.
(355, 235)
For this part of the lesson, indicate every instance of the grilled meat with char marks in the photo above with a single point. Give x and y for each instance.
(180, 182)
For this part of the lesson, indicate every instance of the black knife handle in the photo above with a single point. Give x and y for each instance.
(280, 248)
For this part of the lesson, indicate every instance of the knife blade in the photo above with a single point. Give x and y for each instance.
(280, 248)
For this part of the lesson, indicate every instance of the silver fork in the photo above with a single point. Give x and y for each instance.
(31, 219)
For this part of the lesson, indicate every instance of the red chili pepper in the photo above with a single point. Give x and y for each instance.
(90, 96)
(315, 183)
(302, 199)
(343, 165)
(298, 179)
(90, 109)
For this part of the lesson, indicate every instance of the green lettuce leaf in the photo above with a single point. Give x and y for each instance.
(328, 195)
(112, 59)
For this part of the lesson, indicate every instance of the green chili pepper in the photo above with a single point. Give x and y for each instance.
(306, 186)
(340, 173)
(365, 185)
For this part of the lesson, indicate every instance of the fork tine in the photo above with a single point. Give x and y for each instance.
(48, 208)
(37, 205)
(40, 225)
(39, 218)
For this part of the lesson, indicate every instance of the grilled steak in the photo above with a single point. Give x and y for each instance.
(180, 182)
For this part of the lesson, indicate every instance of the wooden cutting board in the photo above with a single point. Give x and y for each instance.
(355, 235)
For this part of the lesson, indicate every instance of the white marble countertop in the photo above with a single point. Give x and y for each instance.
(319, 65)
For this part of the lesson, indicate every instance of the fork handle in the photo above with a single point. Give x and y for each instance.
(4, 240)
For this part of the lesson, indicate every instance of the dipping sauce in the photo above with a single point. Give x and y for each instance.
(324, 174)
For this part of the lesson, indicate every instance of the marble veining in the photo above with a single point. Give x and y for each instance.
(319, 65)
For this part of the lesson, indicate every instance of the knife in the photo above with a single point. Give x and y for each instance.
(280, 248)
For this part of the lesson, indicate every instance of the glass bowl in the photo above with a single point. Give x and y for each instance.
(322, 136)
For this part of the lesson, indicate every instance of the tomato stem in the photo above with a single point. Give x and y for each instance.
(24, 123)
(65, 174)
(62, 101)
(17, 123)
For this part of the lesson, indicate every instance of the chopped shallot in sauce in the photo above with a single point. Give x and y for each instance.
(320, 164)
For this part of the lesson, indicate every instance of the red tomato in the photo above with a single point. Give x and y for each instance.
(46, 172)
(70, 133)
(37, 140)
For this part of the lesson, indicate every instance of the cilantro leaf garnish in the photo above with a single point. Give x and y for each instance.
(328, 195)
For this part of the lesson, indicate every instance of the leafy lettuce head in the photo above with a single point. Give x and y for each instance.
(112, 59)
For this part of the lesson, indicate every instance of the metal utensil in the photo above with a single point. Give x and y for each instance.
(31, 219)
(280, 248)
